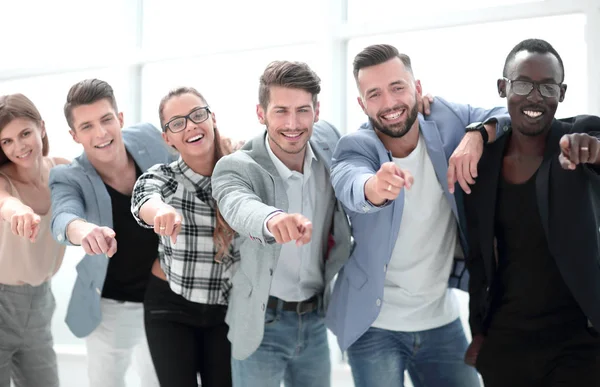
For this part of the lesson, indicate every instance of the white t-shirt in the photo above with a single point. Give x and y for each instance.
(416, 295)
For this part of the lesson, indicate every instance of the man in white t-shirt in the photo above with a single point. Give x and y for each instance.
(391, 308)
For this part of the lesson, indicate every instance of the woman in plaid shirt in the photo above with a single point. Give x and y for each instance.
(186, 297)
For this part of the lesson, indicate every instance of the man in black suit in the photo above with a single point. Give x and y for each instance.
(534, 254)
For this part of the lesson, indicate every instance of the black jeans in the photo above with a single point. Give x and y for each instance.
(186, 339)
(563, 356)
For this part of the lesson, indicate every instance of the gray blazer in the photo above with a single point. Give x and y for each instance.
(78, 192)
(248, 188)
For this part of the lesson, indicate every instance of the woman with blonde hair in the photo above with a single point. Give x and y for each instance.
(186, 298)
(29, 256)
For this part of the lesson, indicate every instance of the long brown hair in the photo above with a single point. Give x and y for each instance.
(15, 106)
(223, 234)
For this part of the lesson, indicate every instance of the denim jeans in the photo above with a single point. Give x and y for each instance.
(433, 358)
(294, 349)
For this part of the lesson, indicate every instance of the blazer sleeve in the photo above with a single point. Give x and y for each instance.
(240, 206)
(468, 114)
(474, 261)
(354, 162)
(67, 202)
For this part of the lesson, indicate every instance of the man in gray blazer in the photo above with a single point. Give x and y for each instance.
(276, 193)
(91, 201)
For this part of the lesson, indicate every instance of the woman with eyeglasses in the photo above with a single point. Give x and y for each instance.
(29, 256)
(186, 297)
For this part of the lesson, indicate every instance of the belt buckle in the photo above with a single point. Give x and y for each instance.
(300, 308)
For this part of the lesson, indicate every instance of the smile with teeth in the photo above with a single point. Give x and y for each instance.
(394, 115)
(532, 113)
(24, 155)
(104, 145)
(293, 135)
(195, 138)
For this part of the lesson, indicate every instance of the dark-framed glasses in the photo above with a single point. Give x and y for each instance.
(197, 116)
(548, 90)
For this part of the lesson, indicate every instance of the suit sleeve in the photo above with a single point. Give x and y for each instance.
(477, 281)
(240, 206)
(468, 114)
(67, 203)
(353, 164)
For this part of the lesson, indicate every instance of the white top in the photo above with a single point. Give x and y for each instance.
(416, 295)
(299, 272)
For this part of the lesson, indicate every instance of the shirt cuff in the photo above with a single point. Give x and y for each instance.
(265, 229)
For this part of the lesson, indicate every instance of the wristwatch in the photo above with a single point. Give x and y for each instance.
(479, 127)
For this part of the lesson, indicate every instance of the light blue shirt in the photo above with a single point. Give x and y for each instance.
(299, 272)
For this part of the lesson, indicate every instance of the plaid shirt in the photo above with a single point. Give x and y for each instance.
(189, 264)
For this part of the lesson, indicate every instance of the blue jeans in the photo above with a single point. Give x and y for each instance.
(294, 349)
(433, 358)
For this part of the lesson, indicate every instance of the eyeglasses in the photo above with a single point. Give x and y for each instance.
(197, 116)
(548, 90)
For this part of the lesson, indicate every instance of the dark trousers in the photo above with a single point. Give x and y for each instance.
(186, 339)
(563, 356)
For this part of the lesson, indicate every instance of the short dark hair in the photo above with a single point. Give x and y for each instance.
(533, 45)
(377, 54)
(294, 75)
(87, 92)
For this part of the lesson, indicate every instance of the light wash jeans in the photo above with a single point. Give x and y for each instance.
(294, 350)
(433, 358)
(119, 337)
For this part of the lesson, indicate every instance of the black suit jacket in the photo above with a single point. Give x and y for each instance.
(569, 205)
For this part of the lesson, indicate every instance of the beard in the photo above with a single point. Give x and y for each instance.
(400, 129)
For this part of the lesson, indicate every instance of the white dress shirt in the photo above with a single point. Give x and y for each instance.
(299, 273)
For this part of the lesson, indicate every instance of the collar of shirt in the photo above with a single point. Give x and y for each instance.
(283, 170)
(199, 182)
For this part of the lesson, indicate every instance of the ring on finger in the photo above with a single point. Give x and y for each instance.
(162, 228)
(389, 187)
(584, 148)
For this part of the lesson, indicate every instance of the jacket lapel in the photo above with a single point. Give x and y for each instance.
(104, 209)
(261, 156)
(542, 181)
(486, 190)
(438, 159)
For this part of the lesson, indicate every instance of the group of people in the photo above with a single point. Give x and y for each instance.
(222, 266)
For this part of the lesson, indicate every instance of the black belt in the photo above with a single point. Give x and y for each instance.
(300, 307)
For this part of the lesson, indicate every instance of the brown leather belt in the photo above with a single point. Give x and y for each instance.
(300, 307)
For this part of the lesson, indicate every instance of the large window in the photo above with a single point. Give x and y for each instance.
(462, 64)
(229, 82)
(360, 11)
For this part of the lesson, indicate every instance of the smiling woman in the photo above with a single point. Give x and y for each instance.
(187, 295)
(29, 256)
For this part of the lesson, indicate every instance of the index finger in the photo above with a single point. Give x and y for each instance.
(176, 231)
(574, 150)
(306, 229)
(34, 234)
(408, 178)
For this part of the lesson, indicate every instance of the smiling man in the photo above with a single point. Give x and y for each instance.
(533, 233)
(277, 195)
(391, 308)
(91, 200)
